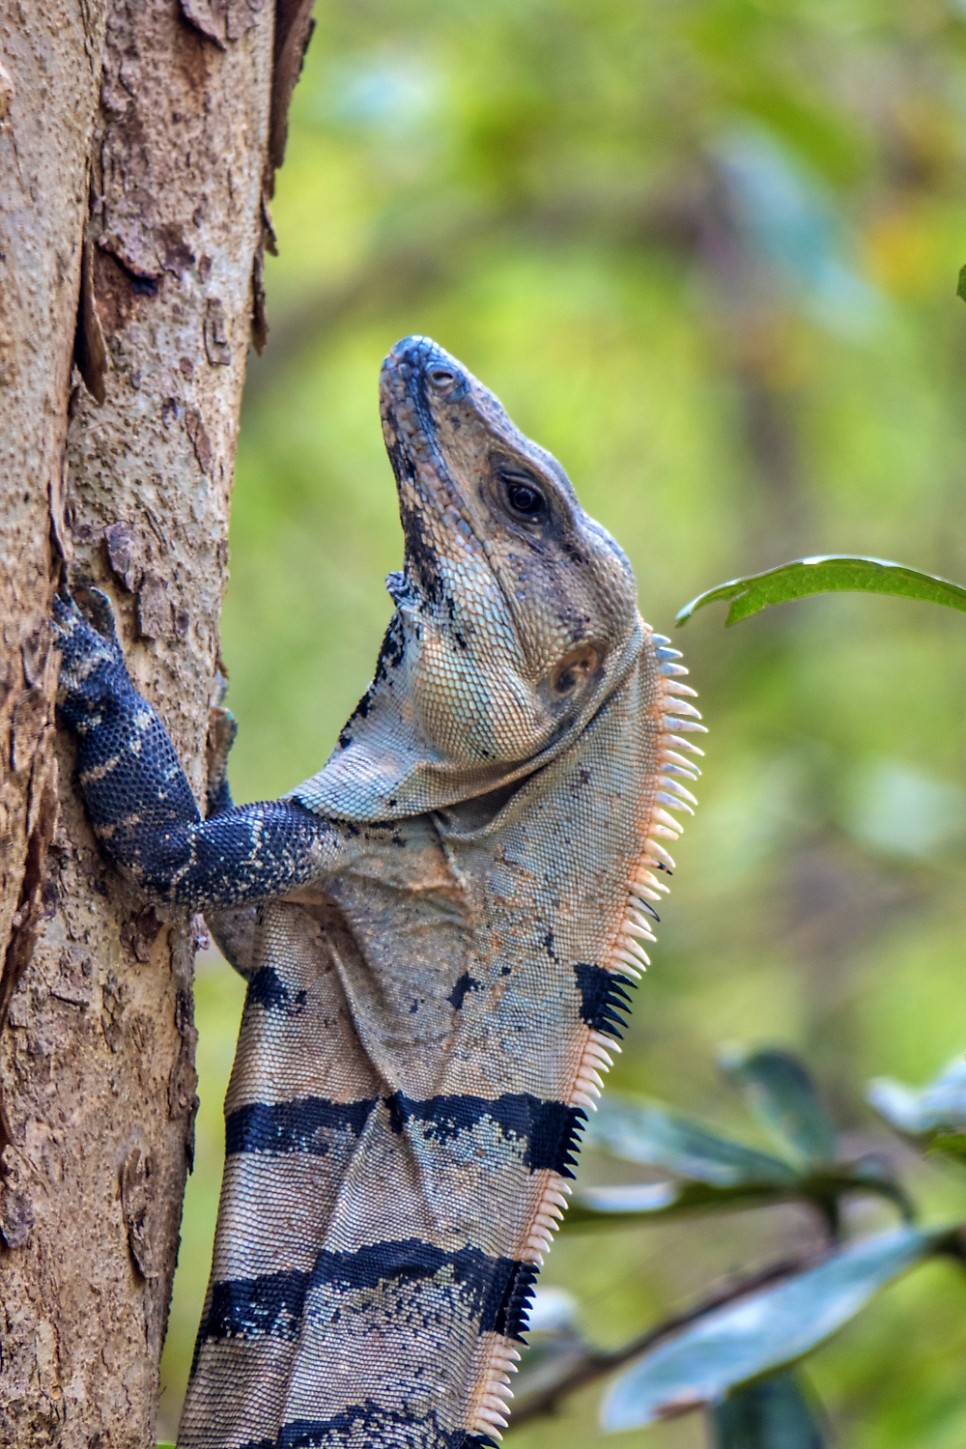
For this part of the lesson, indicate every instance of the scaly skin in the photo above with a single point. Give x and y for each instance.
(447, 920)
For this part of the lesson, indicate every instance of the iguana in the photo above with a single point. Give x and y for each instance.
(439, 931)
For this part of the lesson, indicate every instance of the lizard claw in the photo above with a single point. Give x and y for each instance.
(66, 616)
(70, 621)
(102, 616)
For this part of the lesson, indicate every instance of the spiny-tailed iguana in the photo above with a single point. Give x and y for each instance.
(449, 916)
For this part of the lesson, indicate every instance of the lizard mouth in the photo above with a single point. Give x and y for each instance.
(409, 430)
(415, 371)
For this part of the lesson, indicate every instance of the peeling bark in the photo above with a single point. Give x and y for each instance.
(137, 142)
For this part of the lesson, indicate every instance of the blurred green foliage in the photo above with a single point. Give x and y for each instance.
(730, 1353)
(707, 252)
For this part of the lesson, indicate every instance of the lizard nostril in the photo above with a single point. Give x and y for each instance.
(441, 377)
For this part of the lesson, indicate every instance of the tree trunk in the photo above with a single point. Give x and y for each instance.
(137, 139)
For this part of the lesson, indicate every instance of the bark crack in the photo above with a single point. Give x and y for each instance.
(16, 1216)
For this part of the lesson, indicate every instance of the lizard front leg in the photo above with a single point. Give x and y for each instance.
(139, 801)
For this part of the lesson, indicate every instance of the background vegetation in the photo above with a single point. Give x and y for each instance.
(706, 251)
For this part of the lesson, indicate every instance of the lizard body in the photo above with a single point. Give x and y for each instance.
(439, 931)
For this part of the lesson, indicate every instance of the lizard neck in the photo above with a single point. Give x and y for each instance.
(383, 769)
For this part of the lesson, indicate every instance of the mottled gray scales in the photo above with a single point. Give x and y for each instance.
(439, 930)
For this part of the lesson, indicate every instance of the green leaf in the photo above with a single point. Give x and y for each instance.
(647, 1132)
(828, 573)
(166, 1445)
(711, 1172)
(780, 1091)
(936, 1115)
(625, 1202)
(765, 1331)
(952, 1143)
(961, 284)
(772, 1414)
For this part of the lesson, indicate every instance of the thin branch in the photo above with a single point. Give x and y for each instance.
(560, 1377)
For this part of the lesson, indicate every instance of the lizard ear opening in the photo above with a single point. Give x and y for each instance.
(572, 672)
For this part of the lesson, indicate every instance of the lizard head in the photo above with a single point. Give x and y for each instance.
(515, 604)
(516, 614)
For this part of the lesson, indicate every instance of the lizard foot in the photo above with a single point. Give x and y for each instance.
(93, 670)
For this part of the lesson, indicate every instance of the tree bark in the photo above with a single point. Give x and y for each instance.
(137, 140)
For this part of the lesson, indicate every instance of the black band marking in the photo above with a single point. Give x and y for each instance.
(375, 1425)
(497, 1291)
(305, 1124)
(551, 1130)
(604, 998)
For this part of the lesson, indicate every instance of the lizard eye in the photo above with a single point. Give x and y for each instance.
(524, 497)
